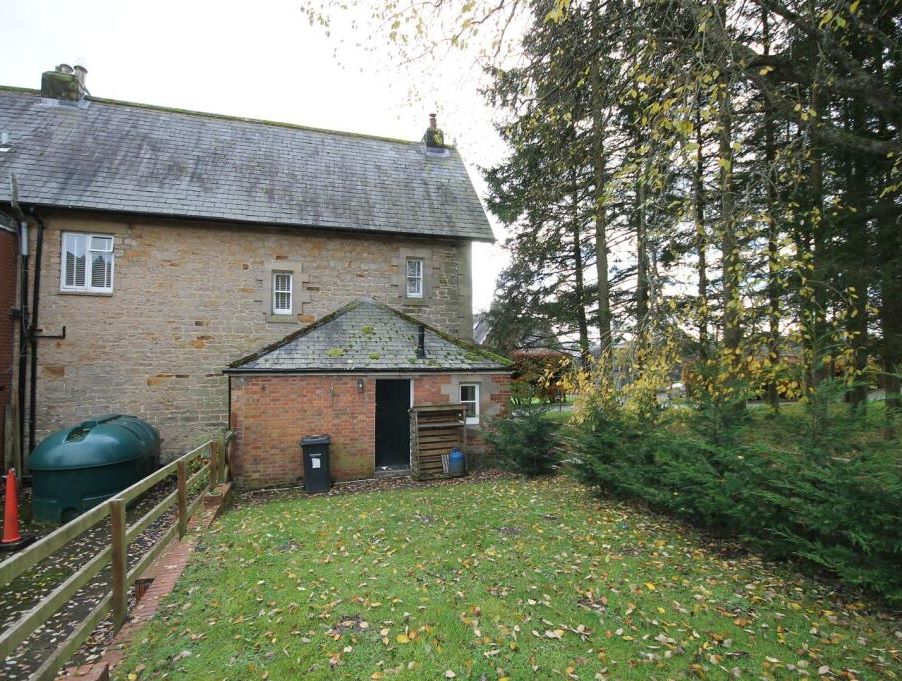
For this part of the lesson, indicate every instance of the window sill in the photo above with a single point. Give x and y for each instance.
(281, 319)
(414, 301)
(102, 294)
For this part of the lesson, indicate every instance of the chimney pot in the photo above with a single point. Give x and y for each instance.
(64, 68)
(433, 122)
(80, 73)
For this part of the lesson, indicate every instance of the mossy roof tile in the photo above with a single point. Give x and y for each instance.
(338, 343)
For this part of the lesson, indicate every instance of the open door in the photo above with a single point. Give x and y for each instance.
(392, 423)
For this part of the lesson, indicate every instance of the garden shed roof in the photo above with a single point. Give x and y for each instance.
(366, 336)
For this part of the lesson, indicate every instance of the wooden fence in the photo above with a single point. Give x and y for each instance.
(116, 553)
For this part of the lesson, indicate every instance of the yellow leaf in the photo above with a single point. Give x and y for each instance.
(649, 586)
(402, 638)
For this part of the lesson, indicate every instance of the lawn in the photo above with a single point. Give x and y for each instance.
(495, 579)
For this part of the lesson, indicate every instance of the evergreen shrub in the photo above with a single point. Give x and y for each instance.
(525, 441)
(843, 514)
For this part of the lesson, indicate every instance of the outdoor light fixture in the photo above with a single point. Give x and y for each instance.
(360, 385)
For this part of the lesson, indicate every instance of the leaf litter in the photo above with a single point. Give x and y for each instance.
(601, 591)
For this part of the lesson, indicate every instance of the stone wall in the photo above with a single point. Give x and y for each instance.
(271, 413)
(9, 249)
(189, 298)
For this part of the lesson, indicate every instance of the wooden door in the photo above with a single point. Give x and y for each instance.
(392, 423)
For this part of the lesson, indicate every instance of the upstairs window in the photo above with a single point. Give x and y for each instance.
(469, 397)
(414, 277)
(87, 263)
(281, 292)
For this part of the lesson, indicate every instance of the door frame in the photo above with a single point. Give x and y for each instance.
(390, 377)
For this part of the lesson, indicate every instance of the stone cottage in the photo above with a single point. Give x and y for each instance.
(165, 245)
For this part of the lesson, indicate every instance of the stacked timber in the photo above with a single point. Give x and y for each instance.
(435, 429)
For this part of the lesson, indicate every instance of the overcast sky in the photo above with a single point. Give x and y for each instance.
(255, 59)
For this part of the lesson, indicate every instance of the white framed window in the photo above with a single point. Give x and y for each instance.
(86, 263)
(414, 277)
(281, 292)
(469, 397)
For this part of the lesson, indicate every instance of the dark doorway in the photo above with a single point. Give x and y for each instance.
(392, 424)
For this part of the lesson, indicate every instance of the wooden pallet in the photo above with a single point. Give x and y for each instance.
(435, 429)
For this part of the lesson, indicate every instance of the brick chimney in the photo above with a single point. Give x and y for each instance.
(64, 83)
(434, 137)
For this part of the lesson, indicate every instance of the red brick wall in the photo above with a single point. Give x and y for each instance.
(8, 269)
(270, 414)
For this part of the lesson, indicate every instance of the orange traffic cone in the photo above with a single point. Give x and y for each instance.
(12, 539)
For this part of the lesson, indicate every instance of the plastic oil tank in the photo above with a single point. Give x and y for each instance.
(77, 468)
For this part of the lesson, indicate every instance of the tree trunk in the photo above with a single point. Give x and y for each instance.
(732, 303)
(856, 259)
(599, 163)
(642, 270)
(773, 236)
(701, 241)
(579, 286)
(889, 246)
(819, 342)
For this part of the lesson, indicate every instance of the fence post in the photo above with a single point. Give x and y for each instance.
(227, 439)
(215, 461)
(119, 562)
(182, 497)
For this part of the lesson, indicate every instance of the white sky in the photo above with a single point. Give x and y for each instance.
(255, 59)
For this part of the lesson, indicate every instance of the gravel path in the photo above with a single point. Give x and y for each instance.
(28, 589)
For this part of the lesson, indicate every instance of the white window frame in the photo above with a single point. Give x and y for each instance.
(275, 291)
(87, 287)
(416, 277)
(470, 420)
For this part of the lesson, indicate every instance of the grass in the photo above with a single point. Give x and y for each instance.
(515, 579)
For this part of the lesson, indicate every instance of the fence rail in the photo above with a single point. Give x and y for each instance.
(216, 469)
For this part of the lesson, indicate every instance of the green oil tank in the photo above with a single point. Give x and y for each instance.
(77, 468)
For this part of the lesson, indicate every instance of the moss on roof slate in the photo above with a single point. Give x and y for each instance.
(368, 336)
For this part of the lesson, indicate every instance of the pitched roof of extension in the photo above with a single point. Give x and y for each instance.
(366, 336)
(117, 156)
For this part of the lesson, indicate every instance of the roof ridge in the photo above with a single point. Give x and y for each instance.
(226, 117)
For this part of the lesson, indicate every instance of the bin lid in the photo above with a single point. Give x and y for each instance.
(99, 442)
(316, 440)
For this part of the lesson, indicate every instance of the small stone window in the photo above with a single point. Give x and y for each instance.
(86, 263)
(281, 292)
(414, 277)
(284, 293)
(469, 397)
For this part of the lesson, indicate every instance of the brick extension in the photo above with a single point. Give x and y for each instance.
(271, 413)
(165, 572)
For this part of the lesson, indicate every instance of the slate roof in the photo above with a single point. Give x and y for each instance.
(116, 156)
(367, 336)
